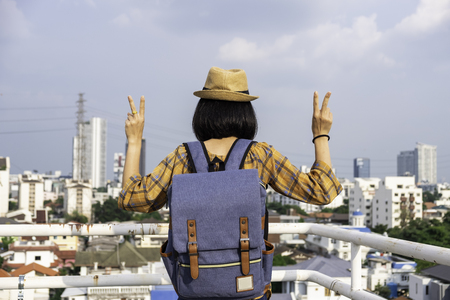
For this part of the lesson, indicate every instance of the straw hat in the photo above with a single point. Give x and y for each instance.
(229, 85)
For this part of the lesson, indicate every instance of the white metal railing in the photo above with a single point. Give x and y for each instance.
(357, 239)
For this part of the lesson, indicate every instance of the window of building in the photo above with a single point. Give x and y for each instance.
(368, 214)
(399, 186)
(64, 237)
(327, 292)
(426, 290)
(55, 237)
(402, 194)
(377, 208)
(405, 278)
(386, 218)
(386, 210)
(37, 258)
(396, 194)
(372, 185)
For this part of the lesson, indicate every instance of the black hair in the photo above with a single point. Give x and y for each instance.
(217, 119)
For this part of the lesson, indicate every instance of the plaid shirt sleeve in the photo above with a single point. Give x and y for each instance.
(149, 193)
(320, 186)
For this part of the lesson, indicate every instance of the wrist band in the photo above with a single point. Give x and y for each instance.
(321, 136)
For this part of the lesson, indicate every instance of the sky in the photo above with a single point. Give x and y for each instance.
(386, 63)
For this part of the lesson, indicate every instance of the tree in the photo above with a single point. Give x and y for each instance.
(12, 206)
(5, 242)
(383, 291)
(379, 228)
(76, 217)
(326, 210)
(343, 209)
(109, 211)
(279, 260)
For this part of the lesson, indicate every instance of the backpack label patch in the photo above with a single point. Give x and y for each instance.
(244, 283)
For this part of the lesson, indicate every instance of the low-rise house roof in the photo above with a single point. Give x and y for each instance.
(331, 266)
(34, 267)
(440, 272)
(128, 254)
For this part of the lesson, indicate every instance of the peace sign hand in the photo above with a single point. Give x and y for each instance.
(134, 124)
(322, 117)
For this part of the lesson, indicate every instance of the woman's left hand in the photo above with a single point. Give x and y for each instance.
(134, 124)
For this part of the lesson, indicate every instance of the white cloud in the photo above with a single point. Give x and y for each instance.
(91, 3)
(429, 15)
(240, 49)
(122, 20)
(13, 23)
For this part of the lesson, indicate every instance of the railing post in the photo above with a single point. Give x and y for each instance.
(356, 267)
(21, 281)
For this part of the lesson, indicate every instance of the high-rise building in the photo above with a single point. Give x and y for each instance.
(361, 167)
(89, 152)
(420, 162)
(406, 163)
(119, 162)
(142, 157)
(4, 186)
(426, 163)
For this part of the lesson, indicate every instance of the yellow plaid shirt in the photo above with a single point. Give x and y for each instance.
(320, 186)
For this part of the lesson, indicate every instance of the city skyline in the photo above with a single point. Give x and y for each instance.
(386, 65)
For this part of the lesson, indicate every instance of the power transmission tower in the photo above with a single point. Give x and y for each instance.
(80, 162)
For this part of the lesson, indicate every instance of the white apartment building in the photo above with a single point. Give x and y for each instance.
(385, 269)
(347, 186)
(396, 200)
(361, 195)
(340, 249)
(78, 197)
(4, 185)
(31, 192)
(273, 196)
(89, 152)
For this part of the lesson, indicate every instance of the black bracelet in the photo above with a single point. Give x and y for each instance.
(321, 136)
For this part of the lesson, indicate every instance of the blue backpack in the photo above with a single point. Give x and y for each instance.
(216, 247)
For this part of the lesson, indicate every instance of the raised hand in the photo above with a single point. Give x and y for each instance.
(322, 117)
(134, 124)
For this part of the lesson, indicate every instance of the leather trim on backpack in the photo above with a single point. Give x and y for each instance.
(269, 248)
(163, 248)
(192, 247)
(245, 245)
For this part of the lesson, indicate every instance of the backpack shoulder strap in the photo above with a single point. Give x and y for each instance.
(197, 156)
(238, 152)
(235, 159)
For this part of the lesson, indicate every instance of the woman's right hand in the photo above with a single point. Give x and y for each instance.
(322, 117)
(134, 124)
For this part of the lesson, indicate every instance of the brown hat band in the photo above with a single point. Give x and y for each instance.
(243, 92)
